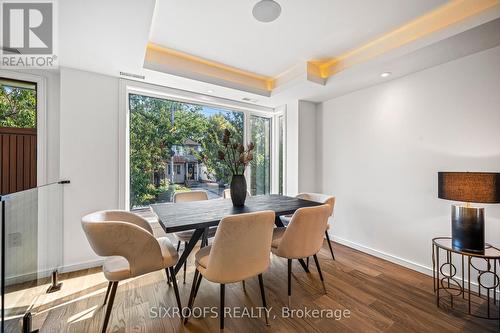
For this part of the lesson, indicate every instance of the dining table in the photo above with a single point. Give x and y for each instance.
(200, 216)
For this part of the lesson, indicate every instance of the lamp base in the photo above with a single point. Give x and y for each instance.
(467, 228)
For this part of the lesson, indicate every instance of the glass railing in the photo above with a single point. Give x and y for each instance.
(31, 252)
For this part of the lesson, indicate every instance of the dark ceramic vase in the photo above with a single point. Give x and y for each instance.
(238, 190)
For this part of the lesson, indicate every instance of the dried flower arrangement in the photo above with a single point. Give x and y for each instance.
(234, 154)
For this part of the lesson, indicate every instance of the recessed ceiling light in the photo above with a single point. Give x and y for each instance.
(210, 91)
(385, 74)
(266, 11)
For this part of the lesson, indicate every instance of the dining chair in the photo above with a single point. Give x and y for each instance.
(185, 236)
(240, 250)
(302, 238)
(131, 250)
(227, 193)
(321, 198)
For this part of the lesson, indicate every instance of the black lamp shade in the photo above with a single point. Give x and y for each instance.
(478, 187)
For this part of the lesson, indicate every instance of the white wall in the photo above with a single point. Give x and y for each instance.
(89, 155)
(52, 91)
(382, 147)
(292, 144)
(301, 147)
(307, 147)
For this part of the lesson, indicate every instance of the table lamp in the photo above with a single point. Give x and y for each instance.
(467, 222)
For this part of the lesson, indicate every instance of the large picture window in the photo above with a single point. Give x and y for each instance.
(173, 147)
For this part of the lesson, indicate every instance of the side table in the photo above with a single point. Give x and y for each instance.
(477, 269)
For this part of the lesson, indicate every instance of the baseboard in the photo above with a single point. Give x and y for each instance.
(82, 265)
(47, 273)
(32, 276)
(386, 256)
(16, 279)
(397, 260)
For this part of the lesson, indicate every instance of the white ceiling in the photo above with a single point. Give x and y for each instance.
(111, 36)
(104, 36)
(226, 32)
(401, 63)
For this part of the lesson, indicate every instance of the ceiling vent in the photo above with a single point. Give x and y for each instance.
(250, 100)
(135, 76)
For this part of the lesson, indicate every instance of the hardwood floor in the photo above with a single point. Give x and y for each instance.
(381, 297)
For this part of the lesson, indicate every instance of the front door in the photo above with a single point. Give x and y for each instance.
(190, 171)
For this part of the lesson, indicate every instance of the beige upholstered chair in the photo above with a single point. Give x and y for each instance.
(188, 196)
(227, 193)
(239, 251)
(127, 242)
(185, 236)
(302, 238)
(321, 198)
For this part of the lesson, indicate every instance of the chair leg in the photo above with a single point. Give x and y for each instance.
(221, 308)
(168, 276)
(110, 306)
(263, 296)
(307, 262)
(176, 290)
(204, 241)
(184, 275)
(329, 244)
(107, 292)
(304, 266)
(191, 295)
(289, 282)
(200, 277)
(178, 245)
(243, 285)
(319, 272)
(185, 266)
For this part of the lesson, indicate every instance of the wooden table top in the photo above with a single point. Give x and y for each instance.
(207, 213)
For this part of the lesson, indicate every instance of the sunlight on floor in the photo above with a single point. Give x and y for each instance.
(36, 299)
(85, 314)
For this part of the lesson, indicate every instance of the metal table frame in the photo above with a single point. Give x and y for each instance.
(445, 276)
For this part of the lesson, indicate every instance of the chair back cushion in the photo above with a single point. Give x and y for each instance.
(319, 197)
(241, 247)
(304, 235)
(197, 195)
(111, 233)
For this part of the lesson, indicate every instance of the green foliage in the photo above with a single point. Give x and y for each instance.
(189, 123)
(17, 107)
(149, 142)
(181, 188)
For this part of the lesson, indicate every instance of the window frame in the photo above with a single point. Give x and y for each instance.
(128, 87)
(41, 119)
(280, 113)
